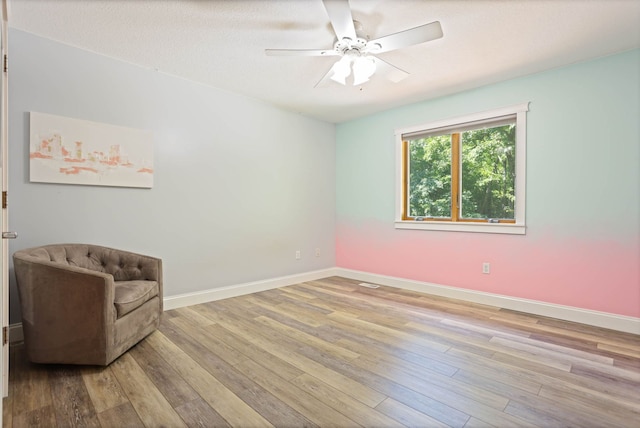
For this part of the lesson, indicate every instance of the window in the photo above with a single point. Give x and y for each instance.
(464, 174)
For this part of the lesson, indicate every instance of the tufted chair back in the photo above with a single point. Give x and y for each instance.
(123, 266)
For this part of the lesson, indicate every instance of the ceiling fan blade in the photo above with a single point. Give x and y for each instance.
(325, 79)
(300, 52)
(413, 36)
(388, 71)
(339, 13)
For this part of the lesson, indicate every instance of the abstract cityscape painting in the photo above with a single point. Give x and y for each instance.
(74, 151)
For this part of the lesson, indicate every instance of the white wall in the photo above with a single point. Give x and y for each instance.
(239, 185)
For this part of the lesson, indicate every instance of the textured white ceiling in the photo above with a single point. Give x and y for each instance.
(221, 43)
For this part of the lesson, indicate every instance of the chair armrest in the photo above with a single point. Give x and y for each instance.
(134, 266)
(68, 304)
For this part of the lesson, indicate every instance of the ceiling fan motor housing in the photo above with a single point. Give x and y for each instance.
(356, 47)
(346, 44)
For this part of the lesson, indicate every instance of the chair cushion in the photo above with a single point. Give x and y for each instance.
(130, 295)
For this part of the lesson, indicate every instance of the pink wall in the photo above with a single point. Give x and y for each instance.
(596, 275)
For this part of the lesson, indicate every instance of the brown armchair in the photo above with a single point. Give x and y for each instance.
(86, 304)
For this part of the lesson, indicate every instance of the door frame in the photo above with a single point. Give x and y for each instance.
(4, 246)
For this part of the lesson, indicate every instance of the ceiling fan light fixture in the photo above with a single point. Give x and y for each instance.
(341, 70)
(363, 69)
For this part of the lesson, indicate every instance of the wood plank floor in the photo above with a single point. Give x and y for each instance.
(331, 353)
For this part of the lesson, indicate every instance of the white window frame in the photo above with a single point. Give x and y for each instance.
(517, 228)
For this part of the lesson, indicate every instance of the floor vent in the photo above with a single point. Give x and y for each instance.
(366, 284)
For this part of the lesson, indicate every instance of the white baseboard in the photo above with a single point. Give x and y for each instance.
(567, 313)
(188, 299)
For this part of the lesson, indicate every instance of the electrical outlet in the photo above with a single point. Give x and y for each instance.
(486, 268)
(317, 252)
(298, 255)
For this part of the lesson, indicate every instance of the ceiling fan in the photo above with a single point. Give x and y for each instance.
(359, 54)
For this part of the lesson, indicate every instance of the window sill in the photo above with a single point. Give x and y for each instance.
(501, 228)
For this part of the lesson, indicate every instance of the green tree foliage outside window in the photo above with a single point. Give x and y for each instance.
(430, 177)
(487, 174)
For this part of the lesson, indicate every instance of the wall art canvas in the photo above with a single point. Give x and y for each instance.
(74, 151)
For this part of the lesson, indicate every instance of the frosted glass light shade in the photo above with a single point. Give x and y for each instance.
(341, 70)
(363, 69)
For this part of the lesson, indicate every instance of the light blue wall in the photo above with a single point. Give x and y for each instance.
(239, 185)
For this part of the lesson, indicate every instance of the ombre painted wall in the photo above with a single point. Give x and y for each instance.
(582, 245)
